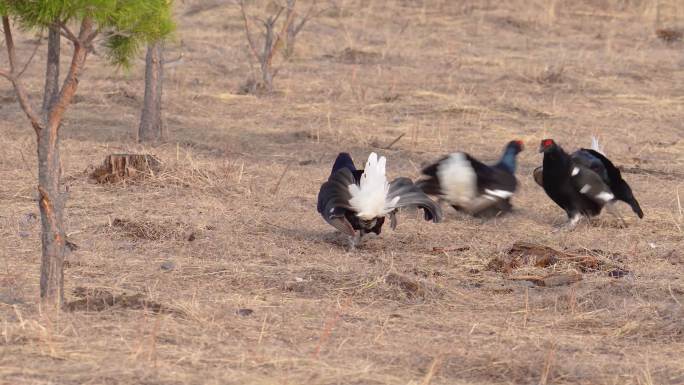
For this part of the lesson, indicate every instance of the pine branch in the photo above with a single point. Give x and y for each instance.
(13, 77)
(66, 32)
(70, 84)
(89, 40)
(9, 43)
(30, 59)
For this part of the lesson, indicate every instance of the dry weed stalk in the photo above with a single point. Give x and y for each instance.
(550, 358)
(274, 39)
(296, 26)
(434, 367)
(329, 326)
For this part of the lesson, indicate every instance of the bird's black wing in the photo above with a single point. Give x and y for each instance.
(492, 178)
(610, 174)
(590, 184)
(495, 186)
(589, 159)
(333, 200)
(411, 195)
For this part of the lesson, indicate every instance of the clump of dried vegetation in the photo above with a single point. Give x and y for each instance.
(265, 291)
(280, 25)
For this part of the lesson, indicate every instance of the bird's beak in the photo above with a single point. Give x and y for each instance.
(541, 148)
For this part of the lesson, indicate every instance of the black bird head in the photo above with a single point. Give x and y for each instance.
(508, 161)
(547, 145)
(516, 145)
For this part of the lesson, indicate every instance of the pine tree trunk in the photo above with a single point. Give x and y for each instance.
(51, 203)
(291, 30)
(52, 68)
(151, 127)
(51, 199)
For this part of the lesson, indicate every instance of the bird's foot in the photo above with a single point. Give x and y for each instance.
(354, 241)
(572, 223)
(610, 207)
(569, 225)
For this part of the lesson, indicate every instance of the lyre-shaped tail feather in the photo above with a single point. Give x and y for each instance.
(369, 198)
(333, 200)
(410, 195)
(596, 146)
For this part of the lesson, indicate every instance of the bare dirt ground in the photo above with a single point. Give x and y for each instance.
(230, 277)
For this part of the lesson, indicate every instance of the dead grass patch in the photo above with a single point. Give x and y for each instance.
(412, 287)
(551, 75)
(550, 280)
(669, 35)
(357, 56)
(391, 286)
(153, 231)
(98, 299)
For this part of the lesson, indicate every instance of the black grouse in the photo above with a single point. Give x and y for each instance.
(471, 186)
(583, 183)
(356, 202)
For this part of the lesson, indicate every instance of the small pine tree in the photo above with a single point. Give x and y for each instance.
(126, 26)
(151, 128)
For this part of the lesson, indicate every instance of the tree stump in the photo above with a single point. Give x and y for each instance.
(119, 167)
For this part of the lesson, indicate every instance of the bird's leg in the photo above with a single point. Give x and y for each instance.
(393, 219)
(480, 204)
(571, 223)
(610, 207)
(440, 202)
(574, 220)
(354, 241)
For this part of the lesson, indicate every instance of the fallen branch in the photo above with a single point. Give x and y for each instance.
(280, 180)
(555, 279)
(394, 141)
(526, 253)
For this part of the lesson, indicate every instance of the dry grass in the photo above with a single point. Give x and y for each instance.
(265, 293)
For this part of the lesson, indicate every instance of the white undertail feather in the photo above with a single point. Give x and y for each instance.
(605, 196)
(501, 194)
(369, 198)
(457, 179)
(574, 220)
(596, 146)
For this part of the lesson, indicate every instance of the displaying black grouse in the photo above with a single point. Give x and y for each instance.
(583, 183)
(472, 186)
(356, 202)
